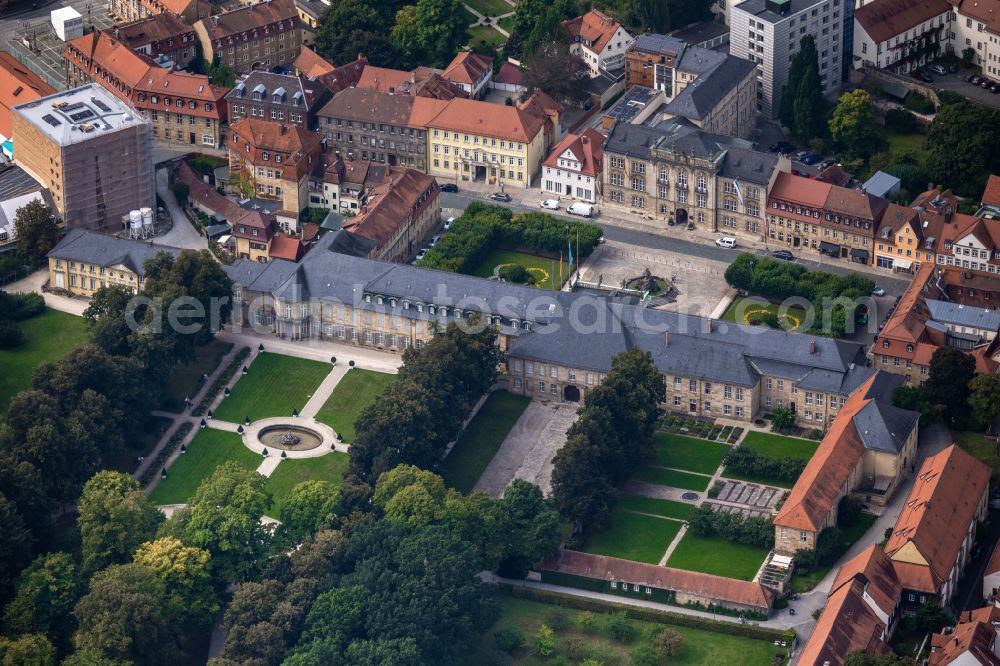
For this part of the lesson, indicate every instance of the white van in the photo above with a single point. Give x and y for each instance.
(726, 241)
(582, 209)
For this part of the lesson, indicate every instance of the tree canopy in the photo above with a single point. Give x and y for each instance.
(801, 108)
(852, 125)
(115, 518)
(35, 229)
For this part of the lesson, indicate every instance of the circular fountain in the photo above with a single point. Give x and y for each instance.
(287, 437)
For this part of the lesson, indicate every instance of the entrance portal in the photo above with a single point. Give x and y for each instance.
(480, 173)
(571, 394)
(682, 216)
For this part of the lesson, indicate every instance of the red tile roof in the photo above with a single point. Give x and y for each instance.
(299, 148)
(486, 119)
(284, 246)
(257, 15)
(421, 82)
(594, 28)
(309, 63)
(991, 195)
(885, 19)
(18, 85)
(600, 567)
(250, 220)
(467, 68)
(151, 29)
(875, 567)
(986, 12)
(586, 147)
(798, 190)
(847, 624)
(974, 633)
(510, 74)
(818, 489)
(936, 517)
(393, 205)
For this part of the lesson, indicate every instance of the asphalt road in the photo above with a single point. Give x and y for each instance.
(458, 201)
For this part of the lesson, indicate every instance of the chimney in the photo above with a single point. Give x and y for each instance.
(666, 338)
(413, 77)
(284, 129)
(812, 346)
(708, 325)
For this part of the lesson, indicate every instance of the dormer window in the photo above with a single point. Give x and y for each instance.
(406, 305)
(392, 302)
(431, 309)
(378, 299)
(458, 313)
(420, 307)
(368, 298)
(265, 156)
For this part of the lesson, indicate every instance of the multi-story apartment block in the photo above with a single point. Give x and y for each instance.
(574, 168)
(183, 108)
(292, 100)
(84, 262)
(259, 36)
(162, 37)
(91, 151)
(901, 35)
(126, 11)
(684, 176)
(836, 221)
(769, 33)
(378, 126)
(273, 161)
(715, 91)
(599, 40)
(906, 238)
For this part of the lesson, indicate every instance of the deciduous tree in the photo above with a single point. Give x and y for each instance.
(852, 125)
(311, 506)
(47, 591)
(187, 583)
(35, 229)
(430, 32)
(948, 379)
(115, 518)
(550, 67)
(962, 146)
(984, 399)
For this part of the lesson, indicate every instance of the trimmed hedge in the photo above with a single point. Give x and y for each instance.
(167, 451)
(650, 614)
(221, 381)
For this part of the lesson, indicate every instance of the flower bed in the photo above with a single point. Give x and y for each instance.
(167, 451)
(221, 381)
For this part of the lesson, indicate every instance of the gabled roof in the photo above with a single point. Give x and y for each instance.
(309, 63)
(510, 74)
(311, 93)
(151, 29)
(94, 248)
(256, 15)
(855, 203)
(487, 119)
(467, 68)
(297, 145)
(847, 624)
(936, 517)
(392, 205)
(873, 568)
(18, 85)
(986, 12)
(586, 148)
(799, 190)
(285, 247)
(884, 19)
(974, 634)
(593, 28)
(895, 218)
(369, 105)
(991, 194)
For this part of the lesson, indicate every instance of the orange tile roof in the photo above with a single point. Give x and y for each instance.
(587, 148)
(244, 19)
(798, 190)
(991, 194)
(151, 29)
(172, 6)
(486, 119)
(467, 67)
(936, 517)
(421, 82)
(298, 147)
(593, 27)
(875, 567)
(600, 567)
(248, 220)
(202, 193)
(18, 85)
(424, 110)
(974, 633)
(509, 73)
(384, 78)
(855, 203)
(818, 489)
(847, 624)
(986, 12)
(309, 63)
(395, 203)
(885, 19)
(284, 246)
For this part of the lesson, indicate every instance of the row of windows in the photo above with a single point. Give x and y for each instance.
(727, 409)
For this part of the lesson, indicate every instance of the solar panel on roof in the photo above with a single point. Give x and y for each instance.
(101, 105)
(73, 107)
(51, 120)
(81, 115)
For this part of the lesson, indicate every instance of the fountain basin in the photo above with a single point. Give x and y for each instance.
(288, 437)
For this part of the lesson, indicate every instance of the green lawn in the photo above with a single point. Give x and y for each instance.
(288, 473)
(755, 478)
(469, 16)
(274, 386)
(185, 380)
(355, 391)
(695, 455)
(672, 478)
(908, 143)
(634, 537)
(778, 446)
(659, 507)
(481, 439)
(979, 446)
(209, 449)
(486, 34)
(546, 271)
(806, 582)
(506, 23)
(720, 557)
(48, 337)
(744, 311)
(490, 7)
(701, 647)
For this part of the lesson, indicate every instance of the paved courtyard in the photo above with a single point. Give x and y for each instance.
(529, 448)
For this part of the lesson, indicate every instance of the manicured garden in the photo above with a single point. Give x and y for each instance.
(481, 439)
(47, 338)
(770, 459)
(759, 312)
(209, 449)
(689, 454)
(187, 379)
(655, 506)
(606, 638)
(355, 391)
(672, 478)
(714, 555)
(632, 536)
(274, 386)
(485, 34)
(542, 273)
(778, 446)
(288, 473)
(700, 428)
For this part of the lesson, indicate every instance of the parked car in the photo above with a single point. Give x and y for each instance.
(921, 75)
(434, 239)
(801, 154)
(420, 255)
(827, 164)
(501, 196)
(582, 209)
(938, 69)
(878, 291)
(783, 254)
(811, 159)
(448, 223)
(449, 187)
(984, 84)
(976, 80)
(782, 147)
(995, 88)
(970, 77)
(726, 241)
(550, 204)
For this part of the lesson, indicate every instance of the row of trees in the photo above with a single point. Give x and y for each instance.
(613, 434)
(953, 389)
(745, 461)
(751, 531)
(392, 33)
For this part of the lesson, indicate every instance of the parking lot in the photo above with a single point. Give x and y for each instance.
(956, 83)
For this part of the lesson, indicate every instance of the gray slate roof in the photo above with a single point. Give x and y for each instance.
(724, 73)
(884, 427)
(94, 248)
(963, 315)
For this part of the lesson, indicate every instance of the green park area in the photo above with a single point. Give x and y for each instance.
(717, 556)
(288, 473)
(47, 338)
(778, 446)
(481, 439)
(274, 386)
(209, 449)
(597, 637)
(186, 379)
(633, 536)
(655, 506)
(355, 391)
(672, 477)
(491, 8)
(759, 312)
(485, 35)
(689, 453)
(537, 271)
(777, 460)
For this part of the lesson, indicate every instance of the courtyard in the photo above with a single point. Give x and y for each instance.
(545, 273)
(275, 385)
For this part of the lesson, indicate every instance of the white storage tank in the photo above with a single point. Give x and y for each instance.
(68, 23)
(134, 220)
(147, 218)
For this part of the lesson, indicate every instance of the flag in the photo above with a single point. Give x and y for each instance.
(739, 192)
(570, 244)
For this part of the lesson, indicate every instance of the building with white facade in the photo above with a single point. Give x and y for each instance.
(769, 32)
(901, 35)
(599, 40)
(977, 27)
(573, 168)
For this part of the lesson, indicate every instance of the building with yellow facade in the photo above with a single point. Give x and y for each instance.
(85, 261)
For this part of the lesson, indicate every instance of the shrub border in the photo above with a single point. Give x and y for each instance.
(165, 453)
(221, 381)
